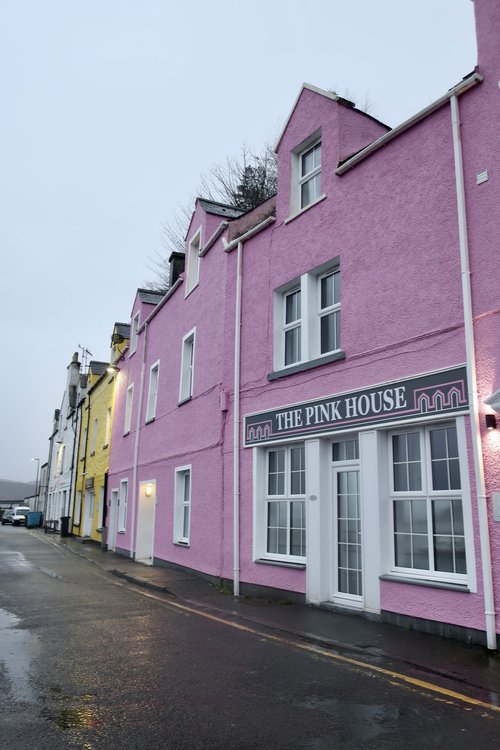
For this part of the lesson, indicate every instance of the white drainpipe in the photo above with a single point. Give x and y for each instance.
(136, 445)
(484, 537)
(236, 427)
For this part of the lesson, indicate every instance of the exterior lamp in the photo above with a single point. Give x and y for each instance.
(491, 422)
(149, 490)
(112, 369)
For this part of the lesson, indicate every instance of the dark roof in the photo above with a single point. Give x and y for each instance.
(220, 209)
(98, 368)
(122, 329)
(149, 296)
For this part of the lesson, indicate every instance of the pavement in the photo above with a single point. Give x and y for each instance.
(445, 659)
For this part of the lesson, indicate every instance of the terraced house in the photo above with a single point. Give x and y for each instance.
(310, 410)
(92, 461)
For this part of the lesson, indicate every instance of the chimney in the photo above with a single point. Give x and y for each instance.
(176, 263)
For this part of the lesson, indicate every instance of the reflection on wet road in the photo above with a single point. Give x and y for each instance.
(90, 663)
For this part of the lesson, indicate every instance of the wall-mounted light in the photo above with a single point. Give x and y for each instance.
(112, 369)
(149, 490)
(491, 422)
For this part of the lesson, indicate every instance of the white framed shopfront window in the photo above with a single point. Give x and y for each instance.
(430, 533)
(280, 505)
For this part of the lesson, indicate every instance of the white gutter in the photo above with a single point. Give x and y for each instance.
(208, 244)
(236, 426)
(460, 88)
(228, 246)
(133, 530)
(484, 538)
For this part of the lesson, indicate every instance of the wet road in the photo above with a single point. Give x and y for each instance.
(90, 662)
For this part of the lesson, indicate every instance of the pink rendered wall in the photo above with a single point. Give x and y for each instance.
(392, 220)
(186, 434)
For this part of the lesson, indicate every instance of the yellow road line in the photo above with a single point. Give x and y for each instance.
(311, 648)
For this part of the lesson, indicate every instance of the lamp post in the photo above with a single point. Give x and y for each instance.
(36, 482)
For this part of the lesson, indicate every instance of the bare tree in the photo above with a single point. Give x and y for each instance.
(244, 182)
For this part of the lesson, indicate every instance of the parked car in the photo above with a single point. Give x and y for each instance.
(7, 517)
(20, 515)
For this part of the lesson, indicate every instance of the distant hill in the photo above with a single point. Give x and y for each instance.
(12, 492)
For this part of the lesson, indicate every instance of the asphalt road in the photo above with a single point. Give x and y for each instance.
(90, 662)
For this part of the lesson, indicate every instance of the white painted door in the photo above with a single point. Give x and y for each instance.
(347, 574)
(145, 523)
(88, 513)
(111, 520)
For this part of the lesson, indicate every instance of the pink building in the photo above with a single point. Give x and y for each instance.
(305, 410)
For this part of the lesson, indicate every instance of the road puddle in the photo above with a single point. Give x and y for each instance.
(17, 650)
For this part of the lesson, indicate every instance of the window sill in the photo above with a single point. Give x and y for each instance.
(105, 446)
(309, 365)
(126, 433)
(121, 531)
(306, 208)
(92, 453)
(178, 543)
(281, 563)
(427, 582)
(184, 400)
(148, 421)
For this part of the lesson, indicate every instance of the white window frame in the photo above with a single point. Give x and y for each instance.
(262, 499)
(60, 458)
(187, 366)
(309, 323)
(107, 433)
(83, 447)
(154, 379)
(129, 405)
(193, 263)
(182, 504)
(307, 177)
(427, 494)
(122, 506)
(298, 178)
(134, 333)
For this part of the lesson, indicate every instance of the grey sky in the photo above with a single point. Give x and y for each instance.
(111, 110)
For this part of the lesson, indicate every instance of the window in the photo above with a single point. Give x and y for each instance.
(122, 505)
(129, 401)
(292, 327)
(329, 312)
(187, 366)
(182, 511)
(107, 433)
(307, 318)
(60, 459)
(310, 174)
(153, 391)
(285, 502)
(428, 522)
(134, 330)
(94, 438)
(83, 446)
(193, 263)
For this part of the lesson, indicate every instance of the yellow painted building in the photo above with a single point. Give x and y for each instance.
(92, 457)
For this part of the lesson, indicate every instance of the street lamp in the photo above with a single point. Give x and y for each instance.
(36, 482)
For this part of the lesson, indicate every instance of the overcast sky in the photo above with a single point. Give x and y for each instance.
(109, 112)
